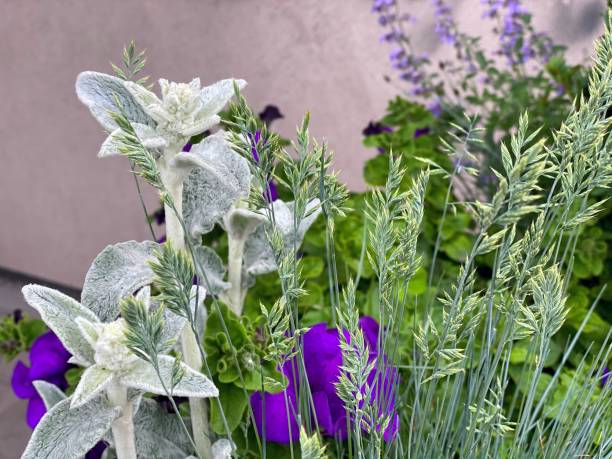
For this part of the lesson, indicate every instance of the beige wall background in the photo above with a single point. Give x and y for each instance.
(60, 205)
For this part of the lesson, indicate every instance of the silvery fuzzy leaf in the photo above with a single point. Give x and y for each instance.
(89, 330)
(159, 434)
(198, 293)
(147, 100)
(118, 271)
(65, 433)
(50, 393)
(222, 449)
(217, 95)
(144, 295)
(93, 381)
(173, 323)
(258, 255)
(213, 267)
(59, 312)
(143, 377)
(218, 178)
(76, 361)
(98, 92)
(147, 135)
(240, 223)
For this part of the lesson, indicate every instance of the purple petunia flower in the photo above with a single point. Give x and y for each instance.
(269, 114)
(48, 362)
(375, 128)
(420, 132)
(322, 361)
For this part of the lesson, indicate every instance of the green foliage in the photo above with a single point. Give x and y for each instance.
(18, 333)
(238, 366)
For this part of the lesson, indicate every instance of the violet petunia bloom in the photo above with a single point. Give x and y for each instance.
(270, 114)
(322, 361)
(48, 362)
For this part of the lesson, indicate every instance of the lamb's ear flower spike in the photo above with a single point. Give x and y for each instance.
(185, 109)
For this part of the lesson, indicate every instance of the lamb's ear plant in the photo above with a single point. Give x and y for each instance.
(202, 182)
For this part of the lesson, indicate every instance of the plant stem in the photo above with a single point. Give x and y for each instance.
(189, 343)
(234, 272)
(123, 427)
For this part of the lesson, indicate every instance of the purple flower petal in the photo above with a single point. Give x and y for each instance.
(21, 381)
(324, 417)
(36, 410)
(269, 114)
(370, 329)
(97, 451)
(48, 357)
(280, 421)
(322, 360)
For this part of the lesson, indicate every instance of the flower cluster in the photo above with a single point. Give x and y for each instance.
(445, 24)
(322, 360)
(519, 43)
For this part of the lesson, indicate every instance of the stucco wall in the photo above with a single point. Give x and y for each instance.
(60, 205)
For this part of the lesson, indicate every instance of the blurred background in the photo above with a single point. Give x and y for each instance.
(60, 205)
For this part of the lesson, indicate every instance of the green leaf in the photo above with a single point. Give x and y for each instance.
(376, 170)
(234, 402)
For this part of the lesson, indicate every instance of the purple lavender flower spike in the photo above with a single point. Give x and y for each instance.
(322, 361)
(445, 25)
(48, 362)
(435, 108)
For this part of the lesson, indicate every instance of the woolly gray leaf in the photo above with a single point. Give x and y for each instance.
(98, 92)
(258, 255)
(59, 312)
(65, 433)
(147, 135)
(159, 434)
(240, 223)
(199, 293)
(142, 376)
(213, 267)
(218, 177)
(217, 95)
(173, 323)
(118, 271)
(50, 393)
(93, 381)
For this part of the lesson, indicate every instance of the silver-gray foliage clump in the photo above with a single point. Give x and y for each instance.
(140, 325)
